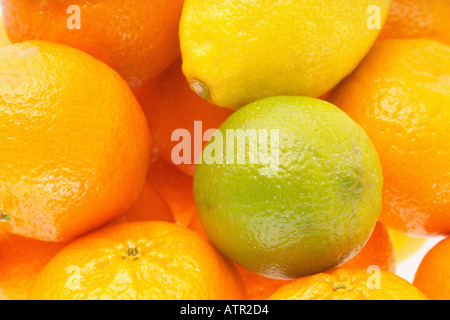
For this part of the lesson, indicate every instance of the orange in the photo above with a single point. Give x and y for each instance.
(22, 259)
(4, 40)
(175, 187)
(74, 142)
(400, 95)
(137, 38)
(196, 225)
(348, 284)
(140, 260)
(433, 275)
(149, 206)
(378, 251)
(171, 106)
(259, 287)
(418, 19)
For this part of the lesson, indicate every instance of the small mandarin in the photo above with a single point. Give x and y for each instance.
(378, 251)
(349, 284)
(4, 40)
(137, 38)
(171, 107)
(75, 145)
(418, 19)
(175, 187)
(140, 261)
(149, 206)
(22, 260)
(399, 94)
(433, 275)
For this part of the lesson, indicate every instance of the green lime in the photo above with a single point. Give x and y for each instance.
(289, 186)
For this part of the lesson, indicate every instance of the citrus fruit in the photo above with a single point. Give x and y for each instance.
(138, 39)
(177, 117)
(196, 225)
(4, 40)
(149, 206)
(378, 251)
(348, 284)
(74, 142)
(433, 275)
(404, 245)
(22, 259)
(176, 189)
(418, 19)
(236, 52)
(399, 94)
(142, 261)
(309, 206)
(259, 287)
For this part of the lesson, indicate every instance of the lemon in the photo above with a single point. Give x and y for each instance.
(289, 186)
(404, 245)
(238, 51)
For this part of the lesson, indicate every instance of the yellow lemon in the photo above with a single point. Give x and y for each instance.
(238, 51)
(404, 245)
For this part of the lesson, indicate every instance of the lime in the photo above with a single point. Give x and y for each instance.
(289, 186)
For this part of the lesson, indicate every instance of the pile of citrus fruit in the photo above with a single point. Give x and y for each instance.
(224, 150)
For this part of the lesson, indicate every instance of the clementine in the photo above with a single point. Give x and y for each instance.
(400, 95)
(74, 142)
(175, 187)
(4, 40)
(139, 39)
(378, 251)
(178, 118)
(349, 284)
(418, 19)
(22, 259)
(149, 206)
(433, 275)
(140, 260)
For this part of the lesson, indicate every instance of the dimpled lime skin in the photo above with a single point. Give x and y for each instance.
(315, 213)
